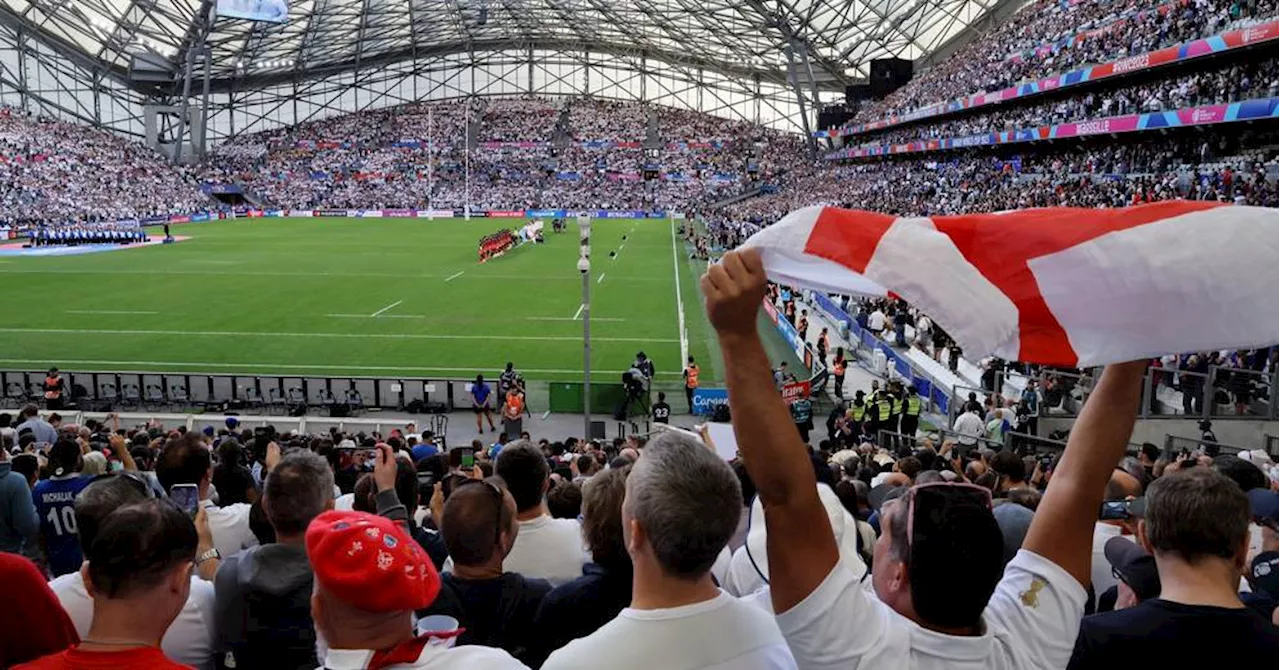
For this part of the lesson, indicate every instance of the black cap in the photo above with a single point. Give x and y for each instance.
(1265, 573)
(1136, 567)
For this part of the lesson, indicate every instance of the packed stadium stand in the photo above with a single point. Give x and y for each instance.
(906, 506)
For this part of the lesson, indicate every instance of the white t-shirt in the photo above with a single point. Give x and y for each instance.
(550, 549)
(1099, 568)
(1031, 622)
(230, 527)
(722, 633)
(190, 637)
(970, 426)
(470, 657)
(875, 321)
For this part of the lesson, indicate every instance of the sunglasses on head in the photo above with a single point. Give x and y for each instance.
(941, 493)
(499, 502)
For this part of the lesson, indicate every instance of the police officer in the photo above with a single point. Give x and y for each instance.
(911, 412)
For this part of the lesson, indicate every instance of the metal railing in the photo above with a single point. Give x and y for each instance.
(1174, 444)
(1221, 393)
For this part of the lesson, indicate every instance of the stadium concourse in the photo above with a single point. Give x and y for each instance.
(979, 513)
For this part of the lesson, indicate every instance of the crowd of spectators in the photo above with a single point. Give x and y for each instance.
(414, 156)
(1104, 31)
(57, 172)
(336, 549)
(1231, 166)
(1229, 82)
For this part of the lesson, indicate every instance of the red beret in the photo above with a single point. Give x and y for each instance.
(370, 562)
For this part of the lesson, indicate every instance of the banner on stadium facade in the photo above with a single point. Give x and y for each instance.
(199, 217)
(399, 212)
(1194, 49)
(437, 213)
(368, 214)
(220, 189)
(705, 400)
(504, 213)
(179, 218)
(254, 213)
(546, 213)
(273, 213)
(793, 391)
(302, 213)
(331, 212)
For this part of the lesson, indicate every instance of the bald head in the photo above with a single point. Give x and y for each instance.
(1122, 485)
(896, 479)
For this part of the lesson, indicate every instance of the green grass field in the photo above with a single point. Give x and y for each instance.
(358, 297)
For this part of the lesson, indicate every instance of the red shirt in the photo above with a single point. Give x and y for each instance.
(36, 624)
(137, 658)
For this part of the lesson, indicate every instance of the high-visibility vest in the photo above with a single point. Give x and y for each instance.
(513, 406)
(857, 412)
(691, 376)
(51, 388)
(897, 406)
(838, 367)
(913, 405)
(885, 409)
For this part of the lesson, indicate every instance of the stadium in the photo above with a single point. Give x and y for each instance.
(996, 278)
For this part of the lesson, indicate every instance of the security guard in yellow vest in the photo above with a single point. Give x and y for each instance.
(911, 412)
(883, 412)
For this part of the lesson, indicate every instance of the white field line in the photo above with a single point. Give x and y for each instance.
(291, 366)
(107, 311)
(578, 314)
(384, 309)
(352, 336)
(454, 276)
(570, 318)
(601, 278)
(378, 316)
(675, 267)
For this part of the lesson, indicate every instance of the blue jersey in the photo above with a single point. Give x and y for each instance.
(55, 505)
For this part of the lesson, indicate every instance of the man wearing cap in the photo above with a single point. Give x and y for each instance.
(370, 576)
(1195, 524)
(1264, 568)
(942, 599)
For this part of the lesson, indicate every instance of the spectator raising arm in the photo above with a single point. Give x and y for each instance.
(801, 554)
(1062, 530)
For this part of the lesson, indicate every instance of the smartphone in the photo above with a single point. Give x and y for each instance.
(1114, 510)
(468, 460)
(187, 497)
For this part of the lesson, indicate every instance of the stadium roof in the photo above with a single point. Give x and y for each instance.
(734, 37)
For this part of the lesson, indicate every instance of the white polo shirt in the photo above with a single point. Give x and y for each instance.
(550, 549)
(1031, 622)
(230, 527)
(190, 637)
(722, 633)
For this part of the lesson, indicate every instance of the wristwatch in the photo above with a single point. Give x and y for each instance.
(211, 554)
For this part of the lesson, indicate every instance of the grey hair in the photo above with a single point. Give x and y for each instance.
(688, 500)
(298, 490)
(99, 499)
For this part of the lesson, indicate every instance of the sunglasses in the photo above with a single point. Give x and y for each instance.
(938, 494)
(499, 503)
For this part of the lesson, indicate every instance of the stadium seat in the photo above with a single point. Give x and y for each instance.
(355, 402)
(155, 397)
(178, 395)
(253, 400)
(132, 396)
(108, 394)
(275, 400)
(14, 395)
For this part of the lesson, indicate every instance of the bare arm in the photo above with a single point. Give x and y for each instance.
(801, 551)
(1063, 525)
